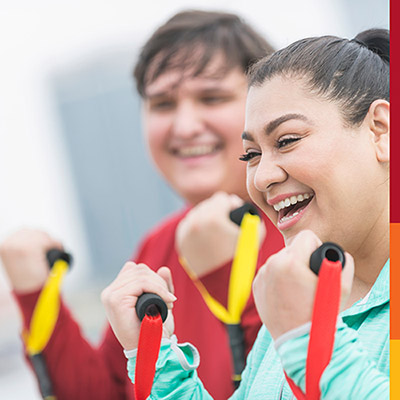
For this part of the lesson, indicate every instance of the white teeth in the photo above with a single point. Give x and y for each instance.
(196, 150)
(291, 201)
(286, 218)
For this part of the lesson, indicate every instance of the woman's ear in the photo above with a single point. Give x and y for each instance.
(379, 126)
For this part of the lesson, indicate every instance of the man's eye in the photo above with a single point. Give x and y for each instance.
(162, 105)
(248, 156)
(213, 99)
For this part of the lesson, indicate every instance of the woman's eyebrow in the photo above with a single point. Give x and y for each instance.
(271, 126)
(247, 136)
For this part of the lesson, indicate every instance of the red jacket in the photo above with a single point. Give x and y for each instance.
(80, 371)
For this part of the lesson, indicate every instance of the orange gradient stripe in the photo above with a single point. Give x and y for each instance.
(394, 311)
(394, 209)
(394, 281)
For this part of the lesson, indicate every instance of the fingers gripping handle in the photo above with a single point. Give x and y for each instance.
(55, 254)
(237, 214)
(151, 304)
(328, 250)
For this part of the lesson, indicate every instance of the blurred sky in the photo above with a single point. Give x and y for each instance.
(44, 39)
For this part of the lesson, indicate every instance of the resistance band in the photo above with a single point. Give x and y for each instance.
(241, 278)
(44, 318)
(327, 262)
(152, 311)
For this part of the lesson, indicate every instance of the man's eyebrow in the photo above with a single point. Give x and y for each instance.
(155, 95)
(271, 126)
(202, 91)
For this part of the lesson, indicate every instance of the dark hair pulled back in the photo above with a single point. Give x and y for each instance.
(353, 73)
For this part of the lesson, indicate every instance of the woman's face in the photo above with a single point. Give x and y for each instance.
(306, 170)
(193, 127)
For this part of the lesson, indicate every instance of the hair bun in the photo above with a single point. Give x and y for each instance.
(376, 40)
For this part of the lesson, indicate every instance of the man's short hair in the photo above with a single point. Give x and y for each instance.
(190, 39)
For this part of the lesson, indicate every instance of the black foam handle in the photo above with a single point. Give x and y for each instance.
(55, 254)
(237, 214)
(146, 303)
(237, 345)
(40, 367)
(329, 250)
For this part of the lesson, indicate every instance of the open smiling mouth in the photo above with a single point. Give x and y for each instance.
(292, 206)
(197, 151)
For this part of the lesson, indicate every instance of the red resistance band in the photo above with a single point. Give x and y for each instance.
(147, 354)
(323, 328)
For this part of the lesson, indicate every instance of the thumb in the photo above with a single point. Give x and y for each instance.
(347, 279)
(165, 273)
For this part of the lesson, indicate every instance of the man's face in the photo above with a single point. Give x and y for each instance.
(193, 129)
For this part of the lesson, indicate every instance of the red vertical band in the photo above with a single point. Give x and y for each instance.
(323, 328)
(146, 359)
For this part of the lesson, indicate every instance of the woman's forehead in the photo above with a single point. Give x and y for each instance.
(282, 96)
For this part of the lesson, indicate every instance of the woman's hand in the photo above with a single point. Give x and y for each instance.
(23, 255)
(120, 298)
(285, 286)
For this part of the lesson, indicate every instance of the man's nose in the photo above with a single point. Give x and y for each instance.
(187, 120)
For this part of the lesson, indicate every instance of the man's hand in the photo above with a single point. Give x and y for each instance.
(23, 255)
(206, 238)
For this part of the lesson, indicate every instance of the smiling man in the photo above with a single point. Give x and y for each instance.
(191, 76)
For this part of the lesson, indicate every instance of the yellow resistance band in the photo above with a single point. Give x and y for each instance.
(242, 273)
(46, 310)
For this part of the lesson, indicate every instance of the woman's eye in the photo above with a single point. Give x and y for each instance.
(248, 156)
(286, 141)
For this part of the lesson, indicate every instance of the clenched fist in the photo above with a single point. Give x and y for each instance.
(120, 298)
(23, 255)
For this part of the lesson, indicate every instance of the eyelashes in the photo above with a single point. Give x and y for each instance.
(248, 156)
(280, 144)
(285, 142)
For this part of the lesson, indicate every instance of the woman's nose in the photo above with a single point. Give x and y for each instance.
(268, 173)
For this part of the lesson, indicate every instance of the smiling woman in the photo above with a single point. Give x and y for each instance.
(314, 131)
(316, 145)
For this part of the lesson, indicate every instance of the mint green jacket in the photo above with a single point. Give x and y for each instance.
(359, 368)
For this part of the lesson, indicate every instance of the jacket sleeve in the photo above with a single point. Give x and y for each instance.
(176, 376)
(77, 369)
(350, 374)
